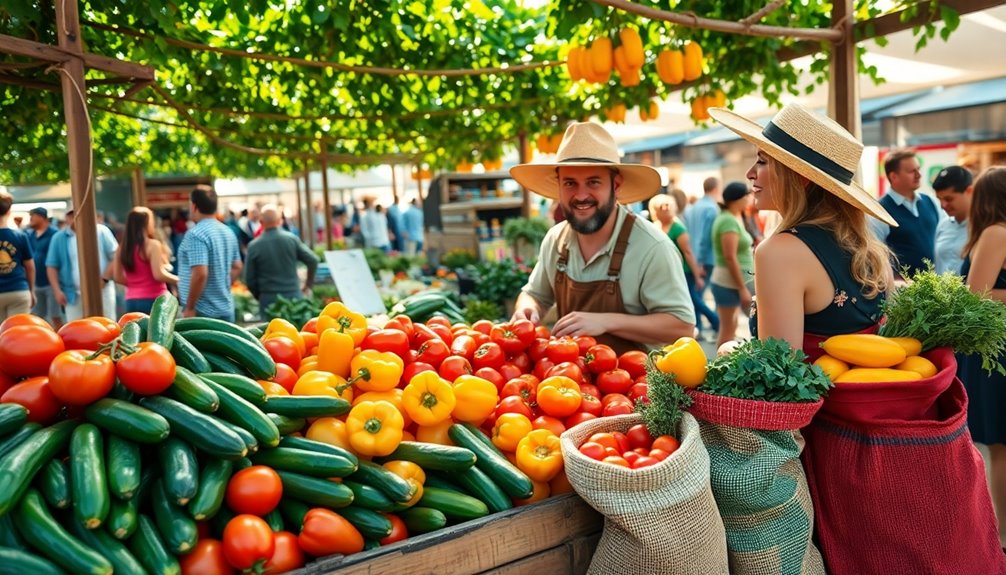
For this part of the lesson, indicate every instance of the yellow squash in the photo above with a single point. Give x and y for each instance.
(877, 375)
(865, 350)
(831, 367)
(912, 346)
(919, 364)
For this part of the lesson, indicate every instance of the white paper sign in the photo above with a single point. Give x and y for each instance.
(351, 275)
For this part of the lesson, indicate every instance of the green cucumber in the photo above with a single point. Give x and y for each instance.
(305, 462)
(9, 536)
(247, 388)
(122, 515)
(144, 324)
(213, 478)
(161, 325)
(275, 521)
(204, 432)
(54, 484)
(293, 513)
(370, 524)
(123, 460)
(179, 470)
(257, 331)
(477, 484)
(316, 446)
(12, 440)
(369, 497)
(186, 355)
(250, 442)
(243, 413)
(132, 333)
(396, 488)
(120, 391)
(21, 562)
(128, 420)
(20, 465)
(433, 456)
(148, 546)
(307, 405)
(453, 504)
(88, 479)
(191, 390)
(253, 357)
(123, 562)
(496, 466)
(434, 479)
(174, 524)
(12, 417)
(287, 425)
(423, 519)
(318, 492)
(41, 530)
(221, 364)
(211, 324)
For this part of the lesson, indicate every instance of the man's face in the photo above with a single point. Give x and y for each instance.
(69, 221)
(587, 196)
(908, 176)
(35, 221)
(955, 204)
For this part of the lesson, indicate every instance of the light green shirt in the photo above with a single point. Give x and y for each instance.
(726, 223)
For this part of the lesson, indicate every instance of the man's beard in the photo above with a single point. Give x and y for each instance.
(594, 222)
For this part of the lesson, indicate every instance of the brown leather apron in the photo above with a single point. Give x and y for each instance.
(602, 296)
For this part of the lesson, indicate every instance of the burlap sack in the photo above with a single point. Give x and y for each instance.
(658, 520)
(759, 483)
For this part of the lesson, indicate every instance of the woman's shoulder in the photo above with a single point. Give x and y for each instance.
(995, 232)
(784, 248)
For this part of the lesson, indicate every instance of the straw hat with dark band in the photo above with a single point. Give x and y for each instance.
(813, 146)
(588, 144)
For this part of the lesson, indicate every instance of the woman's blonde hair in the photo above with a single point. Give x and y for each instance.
(657, 201)
(806, 203)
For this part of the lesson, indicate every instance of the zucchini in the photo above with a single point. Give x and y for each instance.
(187, 356)
(477, 484)
(21, 562)
(20, 465)
(54, 484)
(122, 516)
(213, 478)
(307, 405)
(492, 463)
(250, 442)
(317, 492)
(204, 432)
(305, 462)
(221, 364)
(8, 443)
(433, 456)
(434, 479)
(207, 323)
(123, 562)
(45, 534)
(88, 479)
(175, 526)
(247, 388)
(12, 417)
(370, 544)
(293, 512)
(316, 446)
(423, 520)
(453, 504)
(148, 546)
(9, 536)
(396, 488)
(161, 325)
(370, 524)
(123, 460)
(179, 470)
(119, 391)
(369, 497)
(287, 425)
(133, 333)
(275, 520)
(144, 324)
(257, 331)
(252, 356)
(126, 419)
(191, 390)
(244, 414)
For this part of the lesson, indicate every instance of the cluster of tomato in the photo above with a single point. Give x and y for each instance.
(634, 449)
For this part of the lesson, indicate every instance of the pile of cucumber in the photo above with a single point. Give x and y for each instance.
(422, 306)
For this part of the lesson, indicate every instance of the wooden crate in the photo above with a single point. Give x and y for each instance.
(556, 536)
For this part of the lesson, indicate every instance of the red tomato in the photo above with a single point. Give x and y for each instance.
(387, 340)
(34, 393)
(613, 381)
(510, 371)
(433, 352)
(631, 457)
(639, 391)
(326, 532)
(590, 389)
(522, 362)
(644, 461)
(402, 323)
(541, 368)
(23, 319)
(584, 343)
(310, 326)
(420, 334)
(622, 440)
(111, 325)
(522, 388)
(639, 437)
(550, 423)
(542, 332)
(503, 336)
(283, 350)
(562, 349)
(255, 490)
(616, 460)
(591, 405)
(536, 350)
(285, 376)
(633, 362)
(600, 358)
(85, 334)
(150, 370)
(492, 375)
(568, 369)
(454, 367)
(465, 346)
(6, 382)
(287, 556)
(524, 330)
(438, 321)
(131, 316)
(206, 558)
(483, 326)
(247, 540)
(513, 404)
(27, 350)
(398, 530)
(617, 408)
(77, 380)
(412, 369)
(489, 355)
(593, 450)
(666, 443)
(578, 418)
(613, 398)
(443, 332)
(659, 454)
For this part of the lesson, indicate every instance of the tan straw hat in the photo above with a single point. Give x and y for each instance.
(814, 146)
(588, 144)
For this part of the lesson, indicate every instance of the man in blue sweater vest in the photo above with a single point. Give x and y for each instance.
(913, 241)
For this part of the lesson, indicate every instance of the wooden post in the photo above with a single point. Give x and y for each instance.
(78, 136)
(843, 98)
(139, 187)
(524, 154)
(307, 196)
(300, 209)
(394, 184)
(419, 186)
(325, 201)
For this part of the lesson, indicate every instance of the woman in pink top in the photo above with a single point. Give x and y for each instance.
(141, 264)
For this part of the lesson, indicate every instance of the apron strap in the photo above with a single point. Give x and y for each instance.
(563, 249)
(621, 246)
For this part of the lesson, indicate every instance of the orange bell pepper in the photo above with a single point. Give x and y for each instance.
(309, 363)
(374, 370)
(429, 398)
(280, 326)
(272, 388)
(436, 433)
(393, 396)
(375, 428)
(539, 455)
(340, 318)
(476, 398)
(411, 473)
(685, 359)
(559, 396)
(323, 383)
(335, 352)
(541, 491)
(331, 431)
(510, 428)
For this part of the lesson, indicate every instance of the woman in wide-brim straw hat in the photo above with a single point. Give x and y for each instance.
(823, 273)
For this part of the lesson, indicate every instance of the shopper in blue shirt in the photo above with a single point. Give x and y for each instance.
(17, 266)
(413, 223)
(953, 187)
(63, 266)
(40, 238)
(209, 261)
(699, 220)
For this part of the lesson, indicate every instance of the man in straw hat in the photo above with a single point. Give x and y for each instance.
(824, 273)
(610, 274)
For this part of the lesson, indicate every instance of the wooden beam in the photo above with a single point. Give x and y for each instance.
(64, 53)
(843, 98)
(326, 201)
(28, 83)
(524, 156)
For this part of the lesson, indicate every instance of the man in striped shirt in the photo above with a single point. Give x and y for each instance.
(209, 260)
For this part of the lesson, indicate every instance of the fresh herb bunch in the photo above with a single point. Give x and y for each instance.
(667, 401)
(766, 370)
(941, 311)
(297, 311)
(477, 309)
(499, 281)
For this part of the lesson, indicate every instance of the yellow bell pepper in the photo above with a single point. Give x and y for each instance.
(375, 428)
(685, 359)
(476, 398)
(374, 370)
(429, 398)
(335, 351)
(323, 383)
(280, 326)
(330, 430)
(539, 455)
(393, 396)
(272, 388)
(510, 428)
(436, 433)
(340, 318)
(411, 473)
(309, 363)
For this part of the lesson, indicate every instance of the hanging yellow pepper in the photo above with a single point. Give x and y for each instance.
(281, 327)
(539, 455)
(340, 318)
(429, 398)
(335, 351)
(374, 370)
(323, 383)
(411, 473)
(476, 398)
(375, 428)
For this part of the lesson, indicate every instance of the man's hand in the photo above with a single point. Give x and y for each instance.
(745, 296)
(189, 313)
(59, 295)
(306, 291)
(528, 313)
(699, 282)
(33, 299)
(580, 323)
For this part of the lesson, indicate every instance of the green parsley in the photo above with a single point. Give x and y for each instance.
(766, 370)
